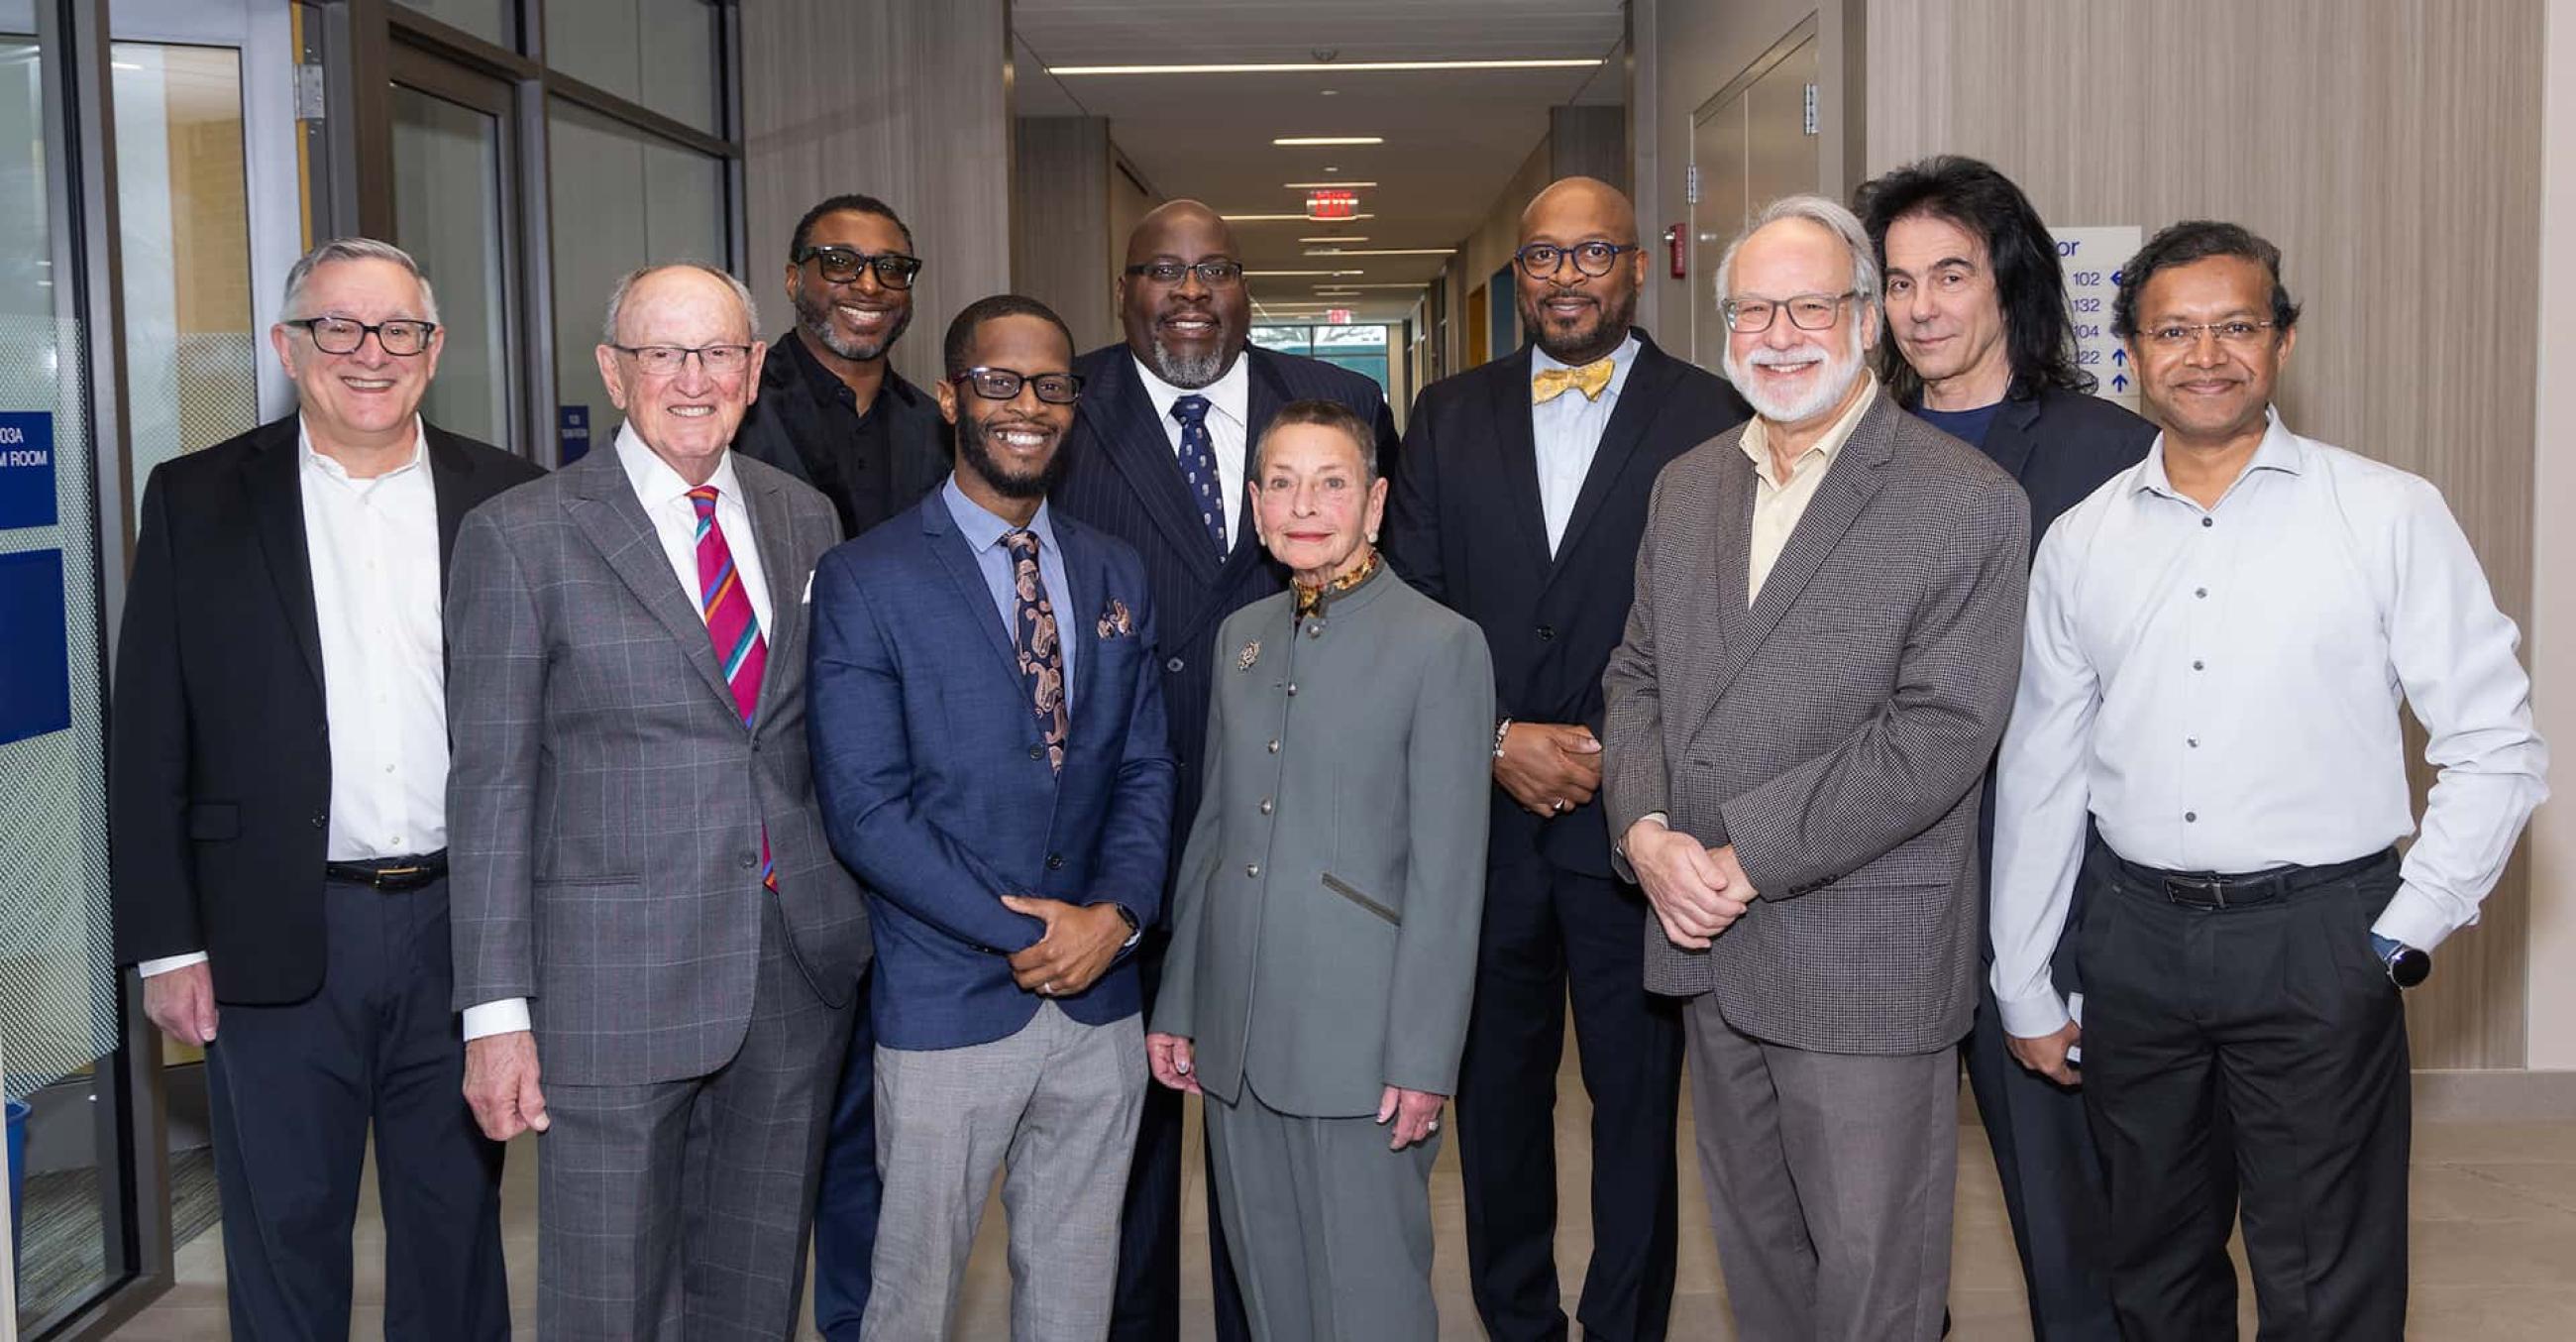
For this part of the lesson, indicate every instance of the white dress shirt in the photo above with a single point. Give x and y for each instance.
(2219, 688)
(372, 547)
(1229, 424)
(665, 497)
(1567, 431)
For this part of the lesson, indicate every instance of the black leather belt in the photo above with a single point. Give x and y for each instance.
(392, 875)
(2216, 890)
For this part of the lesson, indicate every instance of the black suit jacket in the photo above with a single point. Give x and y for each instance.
(1122, 476)
(220, 747)
(785, 428)
(1466, 527)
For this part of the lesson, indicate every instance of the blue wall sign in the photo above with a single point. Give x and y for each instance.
(572, 433)
(35, 663)
(26, 470)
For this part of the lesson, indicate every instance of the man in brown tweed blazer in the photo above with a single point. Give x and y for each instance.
(1818, 664)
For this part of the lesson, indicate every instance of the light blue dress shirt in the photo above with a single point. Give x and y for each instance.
(1568, 432)
(983, 532)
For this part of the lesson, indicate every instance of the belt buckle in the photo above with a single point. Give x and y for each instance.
(2215, 890)
(386, 874)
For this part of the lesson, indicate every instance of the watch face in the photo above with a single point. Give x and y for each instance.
(2409, 966)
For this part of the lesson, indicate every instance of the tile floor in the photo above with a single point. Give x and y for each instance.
(2494, 1247)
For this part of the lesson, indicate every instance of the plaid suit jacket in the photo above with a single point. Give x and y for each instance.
(1835, 731)
(606, 805)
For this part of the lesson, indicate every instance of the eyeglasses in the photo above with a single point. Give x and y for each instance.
(340, 335)
(1001, 384)
(1542, 260)
(1807, 312)
(667, 360)
(1212, 272)
(840, 265)
(2238, 335)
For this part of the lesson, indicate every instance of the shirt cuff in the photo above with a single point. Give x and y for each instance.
(2413, 918)
(153, 968)
(505, 1016)
(2034, 1017)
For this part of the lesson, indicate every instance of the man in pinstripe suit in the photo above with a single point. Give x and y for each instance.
(1156, 458)
(1816, 669)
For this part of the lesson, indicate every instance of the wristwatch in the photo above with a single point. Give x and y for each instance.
(1135, 933)
(2407, 966)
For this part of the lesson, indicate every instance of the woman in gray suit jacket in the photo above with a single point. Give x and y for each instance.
(1324, 926)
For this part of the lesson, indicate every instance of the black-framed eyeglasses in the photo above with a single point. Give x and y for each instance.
(1214, 271)
(1807, 312)
(1543, 260)
(666, 360)
(841, 265)
(401, 337)
(1001, 384)
(2175, 336)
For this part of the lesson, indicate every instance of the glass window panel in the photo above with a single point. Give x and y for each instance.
(191, 335)
(447, 214)
(491, 20)
(622, 198)
(1284, 339)
(660, 53)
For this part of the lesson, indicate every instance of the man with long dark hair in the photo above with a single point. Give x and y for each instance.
(1981, 345)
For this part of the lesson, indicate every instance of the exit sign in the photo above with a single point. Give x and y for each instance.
(1337, 316)
(1332, 204)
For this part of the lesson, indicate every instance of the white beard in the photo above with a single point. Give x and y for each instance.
(1830, 387)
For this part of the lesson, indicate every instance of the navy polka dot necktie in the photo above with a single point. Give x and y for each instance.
(1198, 466)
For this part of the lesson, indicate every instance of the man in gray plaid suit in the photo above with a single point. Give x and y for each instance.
(1817, 667)
(644, 898)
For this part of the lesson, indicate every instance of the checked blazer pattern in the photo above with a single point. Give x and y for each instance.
(1834, 731)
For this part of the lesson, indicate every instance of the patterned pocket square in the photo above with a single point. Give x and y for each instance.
(1115, 622)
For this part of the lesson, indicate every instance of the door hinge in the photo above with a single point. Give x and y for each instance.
(308, 93)
(1690, 189)
(1811, 109)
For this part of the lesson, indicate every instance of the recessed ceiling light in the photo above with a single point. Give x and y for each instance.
(1266, 273)
(1326, 186)
(1414, 284)
(1359, 239)
(1380, 251)
(1327, 67)
(1297, 141)
(1331, 93)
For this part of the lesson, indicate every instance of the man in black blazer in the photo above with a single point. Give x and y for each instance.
(279, 776)
(1157, 459)
(1979, 345)
(832, 412)
(1519, 503)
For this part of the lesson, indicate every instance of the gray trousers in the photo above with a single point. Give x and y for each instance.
(678, 1209)
(1330, 1231)
(1829, 1184)
(1054, 1109)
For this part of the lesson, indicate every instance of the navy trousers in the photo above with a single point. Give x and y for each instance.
(845, 1205)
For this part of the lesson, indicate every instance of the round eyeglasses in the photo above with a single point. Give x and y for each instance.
(1543, 260)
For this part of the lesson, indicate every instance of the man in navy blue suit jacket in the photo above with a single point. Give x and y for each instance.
(988, 743)
(1157, 459)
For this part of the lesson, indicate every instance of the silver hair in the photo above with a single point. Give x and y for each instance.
(1828, 214)
(617, 296)
(353, 249)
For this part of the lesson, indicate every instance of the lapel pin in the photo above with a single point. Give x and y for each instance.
(1251, 654)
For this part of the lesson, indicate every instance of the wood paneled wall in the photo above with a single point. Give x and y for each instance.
(2392, 149)
(906, 100)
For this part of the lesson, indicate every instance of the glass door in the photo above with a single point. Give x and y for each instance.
(454, 165)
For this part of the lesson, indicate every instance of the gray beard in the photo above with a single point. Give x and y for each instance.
(1187, 374)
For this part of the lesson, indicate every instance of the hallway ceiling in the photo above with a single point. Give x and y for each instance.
(1453, 137)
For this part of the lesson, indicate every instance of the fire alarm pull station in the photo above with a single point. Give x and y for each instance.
(1680, 248)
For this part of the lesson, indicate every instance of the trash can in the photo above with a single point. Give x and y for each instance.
(17, 1179)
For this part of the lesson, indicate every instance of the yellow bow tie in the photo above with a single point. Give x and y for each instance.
(1549, 383)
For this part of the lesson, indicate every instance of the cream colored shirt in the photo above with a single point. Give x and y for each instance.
(1777, 503)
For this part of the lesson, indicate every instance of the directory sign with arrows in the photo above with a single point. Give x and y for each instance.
(2091, 258)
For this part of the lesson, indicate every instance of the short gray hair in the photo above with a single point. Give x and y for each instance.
(1825, 213)
(617, 296)
(354, 249)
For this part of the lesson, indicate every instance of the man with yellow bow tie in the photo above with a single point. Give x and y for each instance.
(1519, 500)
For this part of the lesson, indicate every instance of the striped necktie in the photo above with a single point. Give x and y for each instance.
(734, 628)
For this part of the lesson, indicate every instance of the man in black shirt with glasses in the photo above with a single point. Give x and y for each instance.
(833, 412)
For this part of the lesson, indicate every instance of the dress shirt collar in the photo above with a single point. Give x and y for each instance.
(1757, 444)
(982, 529)
(1230, 395)
(331, 465)
(1622, 361)
(2280, 450)
(657, 485)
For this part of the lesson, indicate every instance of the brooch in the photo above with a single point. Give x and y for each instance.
(1115, 622)
(1251, 654)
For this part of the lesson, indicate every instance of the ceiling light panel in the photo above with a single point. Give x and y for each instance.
(1300, 141)
(1325, 67)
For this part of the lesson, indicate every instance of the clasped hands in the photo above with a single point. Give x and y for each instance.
(1080, 943)
(1549, 768)
(1696, 892)
(1415, 1114)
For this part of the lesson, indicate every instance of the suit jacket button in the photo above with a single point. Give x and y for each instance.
(1037, 752)
(1254, 870)
(750, 860)
(1174, 666)
(1055, 861)
(1274, 745)
(1546, 633)
(1292, 689)
(321, 820)
(1265, 806)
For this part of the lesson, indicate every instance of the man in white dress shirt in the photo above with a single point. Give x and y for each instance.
(2219, 642)
(280, 813)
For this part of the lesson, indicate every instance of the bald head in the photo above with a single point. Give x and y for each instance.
(1191, 329)
(1579, 269)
